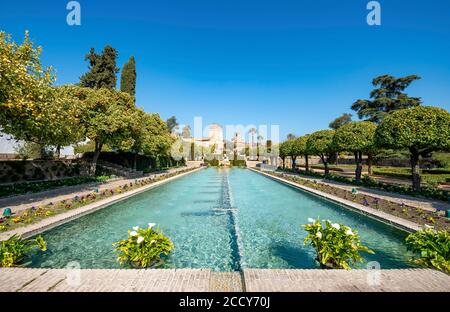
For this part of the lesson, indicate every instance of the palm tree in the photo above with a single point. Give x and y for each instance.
(259, 138)
(252, 133)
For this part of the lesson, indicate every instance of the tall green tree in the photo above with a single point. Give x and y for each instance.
(320, 143)
(102, 69)
(108, 117)
(340, 121)
(186, 132)
(421, 130)
(358, 138)
(128, 77)
(388, 97)
(172, 123)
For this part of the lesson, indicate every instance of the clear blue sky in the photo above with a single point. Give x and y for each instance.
(296, 63)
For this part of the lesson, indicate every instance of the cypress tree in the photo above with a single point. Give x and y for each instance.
(128, 77)
(102, 69)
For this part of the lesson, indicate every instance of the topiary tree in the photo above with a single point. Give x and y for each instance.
(294, 151)
(320, 143)
(358, 138)
(302, 149)
(284, 152)
(421, 130)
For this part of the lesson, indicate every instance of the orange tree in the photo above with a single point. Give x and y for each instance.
(421, 130)
(320, 143)
(31, 109)
(358, 138)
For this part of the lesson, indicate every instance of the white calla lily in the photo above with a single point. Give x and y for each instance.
(151, 225)
(349, 232)
(336, 226)
(140, 239)
(319, 235)
(136, 228)
(133, 233)
(311, 220)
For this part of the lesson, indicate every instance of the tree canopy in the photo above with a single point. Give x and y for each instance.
(355, 137)
(128, 77)
(172, 123)
(320, 143)
(340, 121)
(31, 108)
(358, 138)
(102, 69)
(388, 97)
(421, 130)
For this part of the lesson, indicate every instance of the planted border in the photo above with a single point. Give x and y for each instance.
(401, 210)
(35, 214)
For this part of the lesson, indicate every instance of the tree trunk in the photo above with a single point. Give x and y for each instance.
(98, 149)
(58, 151)
(415, 170)
(325, 163)
(358, 160)
(369, 163)
(284, 162)
(306, 163)
(42, 152)
(293, 162)
(135, 162)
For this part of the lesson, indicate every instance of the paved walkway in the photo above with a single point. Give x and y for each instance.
(412, 280)
(201, 280)
(423, 203)
(61, 218)
(21, 202)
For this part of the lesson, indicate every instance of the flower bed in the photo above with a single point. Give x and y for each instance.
(33, 187)
(36, 214)
(367, 181)
(401, 210)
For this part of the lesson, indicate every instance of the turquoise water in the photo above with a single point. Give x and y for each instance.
(223, 219)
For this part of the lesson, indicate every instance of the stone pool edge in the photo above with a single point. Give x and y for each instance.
(380, 216)
(59, 219)
(206, 280)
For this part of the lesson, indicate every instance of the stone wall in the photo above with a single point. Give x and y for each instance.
(34, 170)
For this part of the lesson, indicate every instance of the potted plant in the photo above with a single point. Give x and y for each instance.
(431, 248)
(15, 249)
(337, 245)
(143, 247)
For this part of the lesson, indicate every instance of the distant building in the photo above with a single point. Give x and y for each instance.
(212, 144)
(239, 144)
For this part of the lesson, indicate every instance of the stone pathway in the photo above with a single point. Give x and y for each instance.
(423, 203)
(226, 282)
(61, 218)
(410, 280)
(202, 280)
(103, 280)
(25, 201)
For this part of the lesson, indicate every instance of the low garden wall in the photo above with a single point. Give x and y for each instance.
(13, 171)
